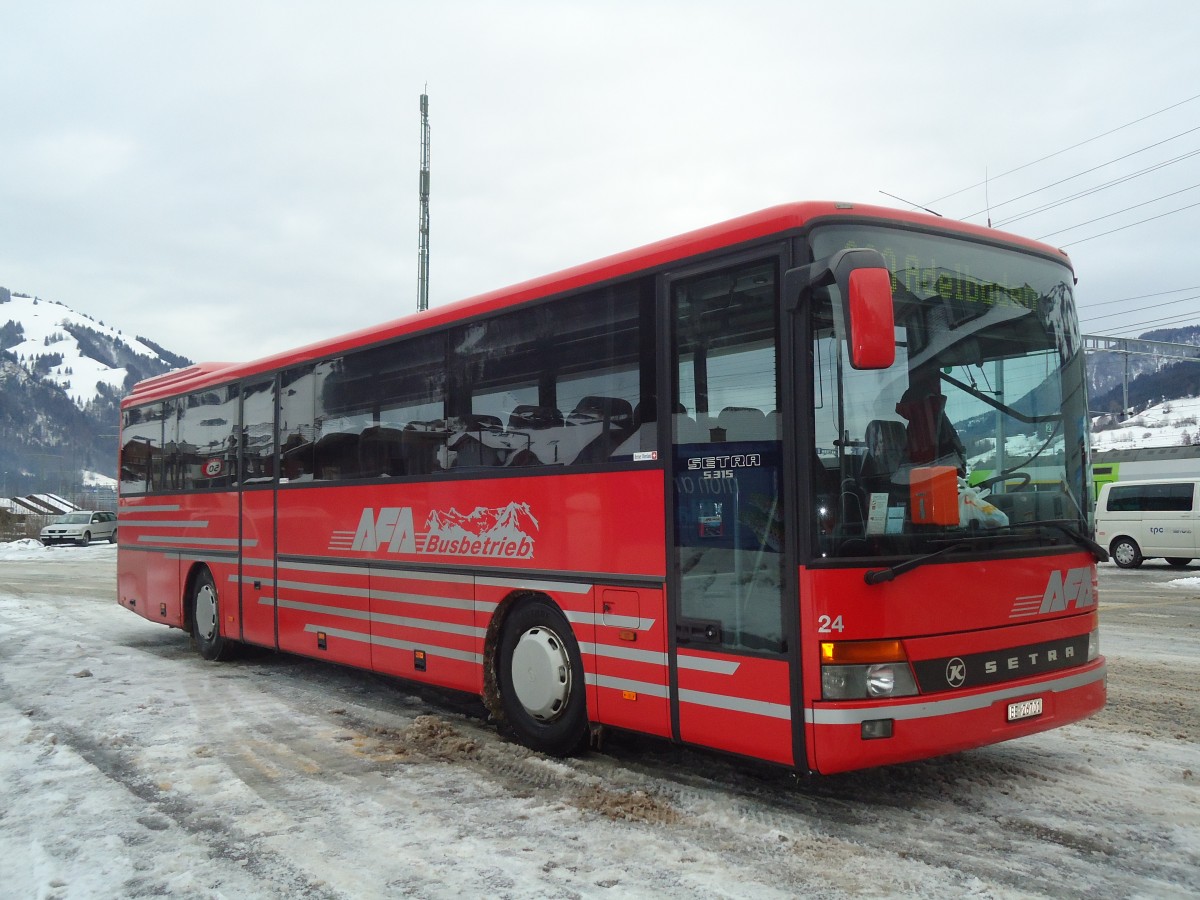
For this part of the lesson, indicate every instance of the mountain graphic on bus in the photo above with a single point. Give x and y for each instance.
(511, 522)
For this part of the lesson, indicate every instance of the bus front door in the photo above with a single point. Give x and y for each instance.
(731, 676)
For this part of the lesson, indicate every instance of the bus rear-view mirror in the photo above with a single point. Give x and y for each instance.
(865, 286)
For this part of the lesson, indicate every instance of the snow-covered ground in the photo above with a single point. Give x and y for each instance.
(129, 767)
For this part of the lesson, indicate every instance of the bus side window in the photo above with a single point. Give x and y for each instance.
(206, 421)
(257, 445)
(380, 413)
(142, 450)
(296, 424)
(569, 382)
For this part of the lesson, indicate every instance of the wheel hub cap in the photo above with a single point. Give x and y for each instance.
(206, 612)
(541, 673)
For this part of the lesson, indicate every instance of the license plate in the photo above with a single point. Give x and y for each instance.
(1025, 709)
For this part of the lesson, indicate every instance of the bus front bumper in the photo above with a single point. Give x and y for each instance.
(844, 736)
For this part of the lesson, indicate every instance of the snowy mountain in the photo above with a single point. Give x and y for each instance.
(85, 358)
(505, 523)
(1154, 371)
(62, 376)
(1169, 423)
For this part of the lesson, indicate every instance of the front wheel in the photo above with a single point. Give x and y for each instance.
(1178, 562)
(1126, 553)
(540, 671)
(206, 618)
(85, 539)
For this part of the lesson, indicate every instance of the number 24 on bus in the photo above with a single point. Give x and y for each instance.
(808, 486)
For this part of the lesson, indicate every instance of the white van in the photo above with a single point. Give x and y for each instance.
(1139, 520)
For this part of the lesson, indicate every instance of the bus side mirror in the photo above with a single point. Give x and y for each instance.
(865, 285)
(866, 288)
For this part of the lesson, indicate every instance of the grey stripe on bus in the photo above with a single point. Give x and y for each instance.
(706, 664)
(650, 657)
(404, 622)
(210, 542)
(375, 640)
(736, 704)
(624, 684)
(948, 706)
(368, 593)
(375, 572)
(163, 523)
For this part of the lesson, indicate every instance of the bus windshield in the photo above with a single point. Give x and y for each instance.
(976, 437)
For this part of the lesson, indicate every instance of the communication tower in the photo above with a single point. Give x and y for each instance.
(423, 246)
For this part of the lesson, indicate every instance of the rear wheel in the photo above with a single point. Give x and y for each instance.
(1178, 562)
(112, 538)
(1126, 553)
(206, 618)
(540, 670)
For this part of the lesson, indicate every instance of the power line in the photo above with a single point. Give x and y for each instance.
(1065, 150)
(1131, 225)
(1152, 306)
(1145, 296)
(1162, 320)
(1098, 188)
(994, 206)
(1160, 323)
(1119, 211)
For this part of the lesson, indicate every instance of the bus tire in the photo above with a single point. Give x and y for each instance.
(540, 670)
(1178, 562)
(205, 606)
(1126, 553)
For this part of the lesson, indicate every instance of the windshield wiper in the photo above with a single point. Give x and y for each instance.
(878, 576)
(1100, 554)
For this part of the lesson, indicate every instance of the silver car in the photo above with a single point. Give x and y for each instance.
(82, 527)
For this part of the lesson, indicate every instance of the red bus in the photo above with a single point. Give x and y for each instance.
(809, 486)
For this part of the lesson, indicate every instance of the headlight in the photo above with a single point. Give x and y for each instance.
(861, 682)
(1094, 645)
(857, 670)
(881, 680)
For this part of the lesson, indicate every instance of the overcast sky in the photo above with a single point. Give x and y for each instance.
(232, 179)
